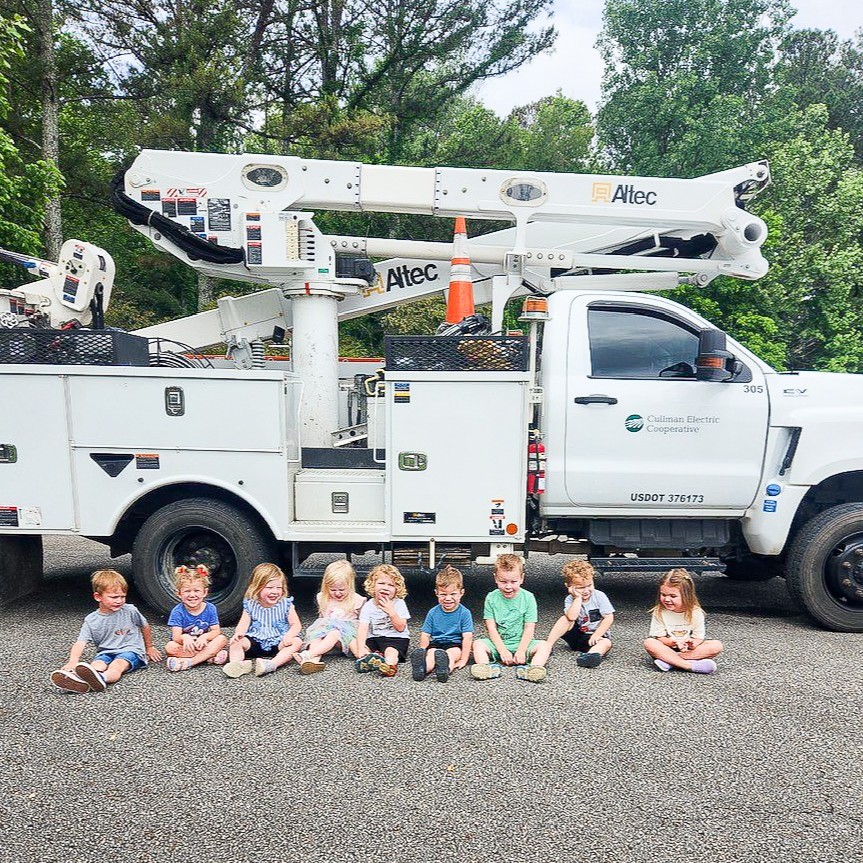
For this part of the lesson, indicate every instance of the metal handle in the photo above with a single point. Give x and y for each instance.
(595, 400)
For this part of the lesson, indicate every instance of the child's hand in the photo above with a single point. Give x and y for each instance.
(574, 592)
(462, 662)
(153, 653)
(520, 657)
(506, 657)
(188, 642)
(387, 606)
(200, 643)
(594, 639)
(236, 638)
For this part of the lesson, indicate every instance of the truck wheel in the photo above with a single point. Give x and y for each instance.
(752, 568)
(825, 568)
(193, 531)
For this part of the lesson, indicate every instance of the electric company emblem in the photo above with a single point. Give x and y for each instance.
(634, 423)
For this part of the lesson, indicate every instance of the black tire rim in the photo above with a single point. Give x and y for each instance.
(843, 573)
(194, 546)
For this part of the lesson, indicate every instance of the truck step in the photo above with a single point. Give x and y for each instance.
(697, 565)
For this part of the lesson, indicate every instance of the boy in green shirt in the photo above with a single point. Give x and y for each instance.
(510, 619)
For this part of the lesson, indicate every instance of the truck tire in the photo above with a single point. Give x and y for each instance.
(193, 531)
(20, 567)
(825, 568)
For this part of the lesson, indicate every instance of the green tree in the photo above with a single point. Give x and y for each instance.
(686, 83)
(24, 186)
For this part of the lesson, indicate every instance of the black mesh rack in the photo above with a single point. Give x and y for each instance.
(73, 347)
(457, 353)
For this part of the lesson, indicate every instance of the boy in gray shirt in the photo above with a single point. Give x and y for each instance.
(120, 633)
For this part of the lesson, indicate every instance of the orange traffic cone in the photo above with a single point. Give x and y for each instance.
(459, 303)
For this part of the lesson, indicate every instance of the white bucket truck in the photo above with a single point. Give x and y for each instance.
(623, 425)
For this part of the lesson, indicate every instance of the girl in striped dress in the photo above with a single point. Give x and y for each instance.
(269, 628)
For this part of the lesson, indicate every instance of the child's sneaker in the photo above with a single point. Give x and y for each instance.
(68, 681)
(588, 660)
(387, 670)
(441, 666)
(703, 666)
(238, 669)
(94, 679)
(485, 670)
(418, 664)
(221, 658)
(369, 662)
(662, 665)
(264, 666)
(533, 673)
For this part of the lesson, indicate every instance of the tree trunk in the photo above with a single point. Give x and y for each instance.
(205, 291)
(50, 123)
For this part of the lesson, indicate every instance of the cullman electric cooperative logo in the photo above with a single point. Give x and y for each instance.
(634, 423)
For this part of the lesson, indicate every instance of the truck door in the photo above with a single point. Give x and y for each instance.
(641, 433)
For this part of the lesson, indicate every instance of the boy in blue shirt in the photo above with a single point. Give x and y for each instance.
(447, 633)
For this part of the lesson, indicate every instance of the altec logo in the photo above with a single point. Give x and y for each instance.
(622, 193)
(406, 277)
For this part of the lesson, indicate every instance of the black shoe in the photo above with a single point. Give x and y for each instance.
(441, 666)
(418, 664)
(588, 660)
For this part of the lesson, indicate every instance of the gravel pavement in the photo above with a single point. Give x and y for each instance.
(759, 762)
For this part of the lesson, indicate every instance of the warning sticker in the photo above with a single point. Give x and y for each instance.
(150, 195)
(187, 206)
(254, 253)
(169, 207)
(401, 392)
(253, 232)
(219, 211)
(147, 460)
(420, 517)
(70, 289)
(29, 516)
(8, 516)
(497, 515)
(196, 224)
(253, 217)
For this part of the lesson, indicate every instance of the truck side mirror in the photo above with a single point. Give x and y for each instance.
(713, 362)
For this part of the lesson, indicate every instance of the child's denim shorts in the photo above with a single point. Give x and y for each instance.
(135, 661)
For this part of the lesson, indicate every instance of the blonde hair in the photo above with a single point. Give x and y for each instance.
(187, 574)
(338, 572)
(449, 576)
(261, 574)
(103, 580)
(392, 572)
(509, 563)
(577, 570)
(682, 580)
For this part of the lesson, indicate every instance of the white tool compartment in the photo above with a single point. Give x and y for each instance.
(456, 450)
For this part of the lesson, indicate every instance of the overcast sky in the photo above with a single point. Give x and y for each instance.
(576, 68)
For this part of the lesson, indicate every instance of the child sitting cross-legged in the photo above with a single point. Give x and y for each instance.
(510, 617)
(196, 636)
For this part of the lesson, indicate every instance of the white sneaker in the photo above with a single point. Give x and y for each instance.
(94, 679)
(68, 681)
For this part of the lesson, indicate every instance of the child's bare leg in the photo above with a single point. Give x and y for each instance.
(237, 652)
(657, 650)
(454, 653)
(391, 656)
(352, 647)
(209, 651)
(284, 655)
(602, 646)
(705, 650)
(480, 654)
(174, 648)
(323, 645)
(538, 654)
(114, 671)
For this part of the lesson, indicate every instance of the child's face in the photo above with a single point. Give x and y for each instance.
(449, 597)
(192, 594)
(111, 600)
(508, 581)
(338, 591)
(271, 592)
(581, 588)
(670, 598)
(384, 589)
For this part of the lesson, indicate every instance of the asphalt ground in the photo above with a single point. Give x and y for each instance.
(759, 762)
